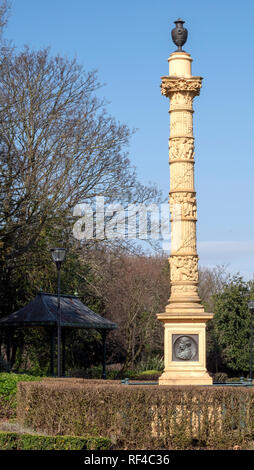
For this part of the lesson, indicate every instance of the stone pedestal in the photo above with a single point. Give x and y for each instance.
(184, 318)
(184, 350)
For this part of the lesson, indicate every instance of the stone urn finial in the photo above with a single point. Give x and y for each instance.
(179, 34)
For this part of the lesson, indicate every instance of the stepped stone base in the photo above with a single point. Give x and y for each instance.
(185, 378)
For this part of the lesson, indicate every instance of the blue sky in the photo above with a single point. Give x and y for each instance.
(129, 44)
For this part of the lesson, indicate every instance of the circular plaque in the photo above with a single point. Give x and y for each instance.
(185, 348)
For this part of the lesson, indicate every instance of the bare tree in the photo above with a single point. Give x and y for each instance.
(59, 147)
(4, 14)
(212, 281)
(133, 289)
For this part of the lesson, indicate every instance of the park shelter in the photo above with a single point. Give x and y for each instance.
(42, 312)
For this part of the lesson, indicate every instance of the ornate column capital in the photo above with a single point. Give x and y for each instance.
(172, 85)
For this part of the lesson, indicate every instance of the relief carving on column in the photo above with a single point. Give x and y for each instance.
(188, 203)
(181, 148)
(179, 99)
(184, 268)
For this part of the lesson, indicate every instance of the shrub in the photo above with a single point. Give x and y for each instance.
(77, 372)
(16, 441)
(140, 417)
(233, 379)
(155, 362)
(147, 375)
(115, 367)
(220, 377)
(8, 389)
(94, 372)
(114, 373)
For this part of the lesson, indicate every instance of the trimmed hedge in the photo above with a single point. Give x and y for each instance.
(140, 416)
(16, 441)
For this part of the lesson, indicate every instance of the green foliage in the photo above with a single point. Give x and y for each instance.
(16, 441)
(148, 373)
(8, 391)
(233, 379)
(94, 372)
(8, 383)
(140, 417)
(155, 362)
(231, 326)
(83, 348)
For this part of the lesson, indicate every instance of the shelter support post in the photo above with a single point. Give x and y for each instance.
(63, 350)
(0, 343)
(8, 347)
(52, 351)
(104, 373)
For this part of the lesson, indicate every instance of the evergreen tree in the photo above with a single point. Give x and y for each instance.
(231, 327)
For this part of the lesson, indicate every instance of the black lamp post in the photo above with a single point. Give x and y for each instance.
(251, 308)
(58, 255)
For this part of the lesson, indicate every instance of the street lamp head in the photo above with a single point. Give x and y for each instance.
(251, 304)
(58, 255)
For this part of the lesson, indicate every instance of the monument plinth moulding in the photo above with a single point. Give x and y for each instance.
(184, 318)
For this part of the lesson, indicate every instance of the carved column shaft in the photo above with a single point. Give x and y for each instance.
(183, 258)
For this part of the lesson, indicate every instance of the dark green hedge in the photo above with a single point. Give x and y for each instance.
(16, 441)
(140, 416)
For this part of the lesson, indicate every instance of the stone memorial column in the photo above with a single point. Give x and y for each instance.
(184, 318)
